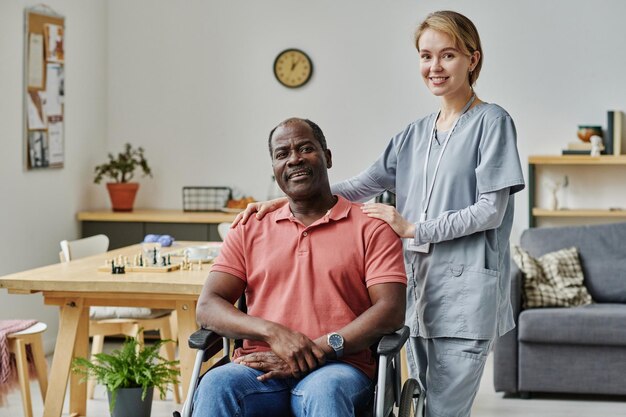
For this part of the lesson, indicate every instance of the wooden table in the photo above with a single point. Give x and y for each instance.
(77, 285)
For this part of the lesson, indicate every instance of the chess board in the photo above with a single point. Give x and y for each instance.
(155, 268)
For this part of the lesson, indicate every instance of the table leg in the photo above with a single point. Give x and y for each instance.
(186, 314)
(78, 390)
(68, 325)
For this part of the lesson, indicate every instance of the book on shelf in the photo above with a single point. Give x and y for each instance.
(618, 133)
(608, 136)
(615, 143)
(581, 146)
(575, 152)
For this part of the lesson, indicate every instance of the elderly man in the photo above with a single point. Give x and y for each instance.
(323, 282)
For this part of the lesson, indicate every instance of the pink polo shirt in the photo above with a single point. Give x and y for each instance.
(312, 279)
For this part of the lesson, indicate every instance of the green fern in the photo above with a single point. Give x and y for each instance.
(130, 367)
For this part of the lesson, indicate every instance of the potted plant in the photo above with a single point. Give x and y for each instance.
(130, 375)
(121, 169)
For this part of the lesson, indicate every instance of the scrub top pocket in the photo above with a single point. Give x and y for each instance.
(472, 301)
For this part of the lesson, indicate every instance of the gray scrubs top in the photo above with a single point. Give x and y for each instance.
(461, 288)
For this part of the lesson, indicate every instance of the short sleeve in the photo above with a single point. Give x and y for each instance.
(499, 165)
(384, 262)
(231, 259)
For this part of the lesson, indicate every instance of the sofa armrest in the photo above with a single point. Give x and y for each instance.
(505, 352)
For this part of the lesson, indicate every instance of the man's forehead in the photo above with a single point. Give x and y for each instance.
(294, 125)
(300, 132)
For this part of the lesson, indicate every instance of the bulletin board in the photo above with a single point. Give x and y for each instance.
(44, 88)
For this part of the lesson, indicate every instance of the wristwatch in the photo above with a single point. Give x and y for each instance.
(335, 341)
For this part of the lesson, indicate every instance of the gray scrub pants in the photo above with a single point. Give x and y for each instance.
(450, 370)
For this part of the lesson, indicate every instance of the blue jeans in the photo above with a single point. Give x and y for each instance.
(335, 389)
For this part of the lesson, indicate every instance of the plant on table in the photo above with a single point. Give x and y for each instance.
(131, 366)
(120, 169)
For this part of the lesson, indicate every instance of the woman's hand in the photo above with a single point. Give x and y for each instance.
(261, 208)
(389, 214)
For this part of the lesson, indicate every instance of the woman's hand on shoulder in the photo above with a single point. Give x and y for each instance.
(261, 208)
(390, 215)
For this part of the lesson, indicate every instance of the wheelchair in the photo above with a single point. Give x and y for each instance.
(389, 391)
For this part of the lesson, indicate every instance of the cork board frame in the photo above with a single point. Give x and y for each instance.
(44, 88)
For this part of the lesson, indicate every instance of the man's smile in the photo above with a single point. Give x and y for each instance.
(301, 172)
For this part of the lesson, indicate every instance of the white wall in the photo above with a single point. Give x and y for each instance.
(192, 82)
(38, 208)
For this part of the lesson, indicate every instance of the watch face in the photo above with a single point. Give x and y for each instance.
(293, 68)
(335, 341)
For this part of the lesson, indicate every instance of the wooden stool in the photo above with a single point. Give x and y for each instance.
(17, 346)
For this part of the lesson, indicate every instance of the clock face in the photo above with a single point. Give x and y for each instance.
(293, 68)
(335, 341)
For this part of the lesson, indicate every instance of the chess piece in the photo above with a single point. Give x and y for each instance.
(154, 256)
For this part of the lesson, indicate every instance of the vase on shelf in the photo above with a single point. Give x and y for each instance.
(122, 195)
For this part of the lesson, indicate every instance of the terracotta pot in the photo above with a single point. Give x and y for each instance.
(122, 195)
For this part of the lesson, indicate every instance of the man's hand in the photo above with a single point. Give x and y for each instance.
(268, 362)
(299, 352)
(261, 208)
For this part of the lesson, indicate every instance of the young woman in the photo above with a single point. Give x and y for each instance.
(454, 173)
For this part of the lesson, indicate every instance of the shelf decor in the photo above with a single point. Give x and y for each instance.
(535, 161)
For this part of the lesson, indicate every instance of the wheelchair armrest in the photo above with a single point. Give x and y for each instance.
(392, 343)
(202, 339)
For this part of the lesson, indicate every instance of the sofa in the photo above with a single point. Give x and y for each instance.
(578, 350)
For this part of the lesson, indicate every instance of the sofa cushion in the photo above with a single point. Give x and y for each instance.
(552, 280)
(594, 324)
(601, 250)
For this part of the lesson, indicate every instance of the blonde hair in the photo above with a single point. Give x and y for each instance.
(460, 29)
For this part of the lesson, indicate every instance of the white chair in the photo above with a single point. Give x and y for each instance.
(17, 346)
(222, 230)
(109, 321)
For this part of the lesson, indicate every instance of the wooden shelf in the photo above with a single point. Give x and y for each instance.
(577, 160)
(127, 228)
(157, 216)
(539, 212)
(535, 161)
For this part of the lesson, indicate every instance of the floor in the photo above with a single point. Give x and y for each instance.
(488, 404)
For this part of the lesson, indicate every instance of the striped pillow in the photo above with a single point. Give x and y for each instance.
(552, 280)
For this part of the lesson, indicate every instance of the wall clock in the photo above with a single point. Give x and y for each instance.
(293, 68)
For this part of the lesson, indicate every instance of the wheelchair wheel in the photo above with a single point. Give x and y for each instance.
(411, 400)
